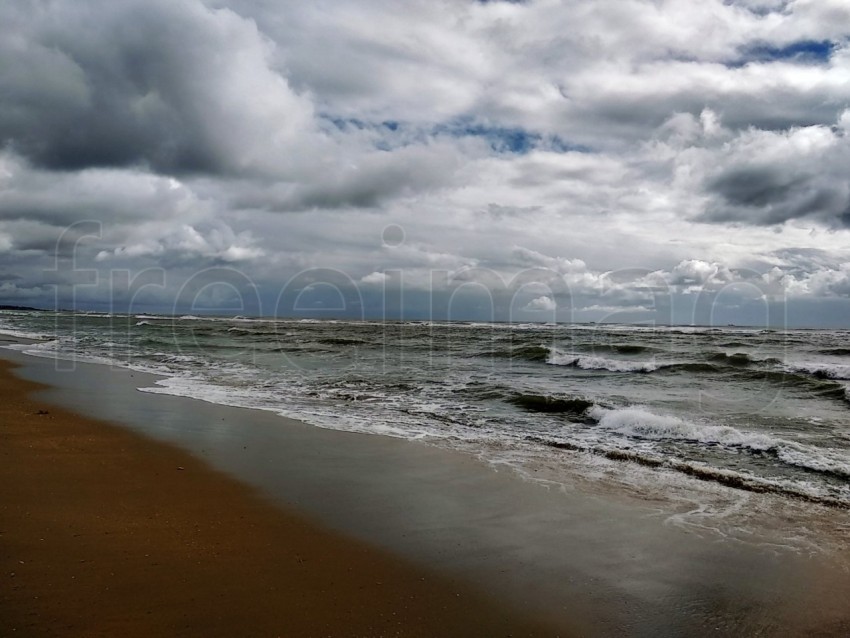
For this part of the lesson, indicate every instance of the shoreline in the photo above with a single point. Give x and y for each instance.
(592, 564)
(105, 532)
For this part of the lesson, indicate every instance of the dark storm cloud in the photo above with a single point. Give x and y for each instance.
(763, 197)
(116, 84)
(122, 102)
(53, 241)
(755, 187)
(784, 181)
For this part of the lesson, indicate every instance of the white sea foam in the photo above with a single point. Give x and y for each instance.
(822, 368)
(827, 460)
(640, 423)
(24, 334)
(56, 349)
(287, 405)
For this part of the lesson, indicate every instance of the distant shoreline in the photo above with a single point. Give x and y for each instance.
(341, 318)
(24, 308)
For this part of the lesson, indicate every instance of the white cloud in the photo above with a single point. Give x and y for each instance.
(187, 243)
(375, 278)
(541, 304)
(696, 274)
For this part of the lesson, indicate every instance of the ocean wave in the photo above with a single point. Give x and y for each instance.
(836, 352)
(24, 334)
(694, 367)
(742, 480)
(558, 358)
(253, 331)
(737, 359)
(66, 349)
(817, 385)
(822, 461)
(637, 422)
(551, 405)
(620, 348)
(172, 358)
(822, 370)
(531, 353)
(342, 341)
(748, 482)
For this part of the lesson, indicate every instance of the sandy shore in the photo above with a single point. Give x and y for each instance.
(105, 533)
(207, 554)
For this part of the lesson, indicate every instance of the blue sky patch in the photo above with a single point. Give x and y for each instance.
(806, 51)
(502, 139)
(506, 139)
(345, 124)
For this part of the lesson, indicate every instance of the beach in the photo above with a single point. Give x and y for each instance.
(107, 533)
(365, 519)
(485, 318)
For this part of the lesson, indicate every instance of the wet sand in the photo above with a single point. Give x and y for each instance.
(104, 532)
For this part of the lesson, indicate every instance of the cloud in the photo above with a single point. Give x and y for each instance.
(374, 278)
(697, 274)
(766, 177)
(541, 304)
(106, 84)
(819, 284)
(187, 243)
(377, 176)
(612, 155)
(105, 195)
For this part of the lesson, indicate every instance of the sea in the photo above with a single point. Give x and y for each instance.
(707, 424)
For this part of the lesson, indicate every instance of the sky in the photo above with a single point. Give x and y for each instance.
(663, 161)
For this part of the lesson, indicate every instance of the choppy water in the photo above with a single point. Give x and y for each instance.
(741, 409)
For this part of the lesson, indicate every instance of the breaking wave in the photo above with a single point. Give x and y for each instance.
(823, 370)
(639, 423)
(559, 358)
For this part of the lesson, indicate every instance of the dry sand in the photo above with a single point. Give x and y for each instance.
(106, 533)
